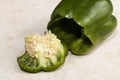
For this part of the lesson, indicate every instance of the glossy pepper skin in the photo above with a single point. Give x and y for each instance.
(32, 65)
(40, 55)
(82, 24)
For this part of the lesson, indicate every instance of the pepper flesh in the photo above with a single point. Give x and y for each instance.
(82, 24)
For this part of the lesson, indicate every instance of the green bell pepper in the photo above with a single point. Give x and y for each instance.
(42, 53)
(82, 24)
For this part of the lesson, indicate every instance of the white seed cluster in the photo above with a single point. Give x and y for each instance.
(49, 42)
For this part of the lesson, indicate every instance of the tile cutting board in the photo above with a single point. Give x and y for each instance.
(19, 18)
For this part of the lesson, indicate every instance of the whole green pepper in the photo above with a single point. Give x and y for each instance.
(42, 53)
(82, 24)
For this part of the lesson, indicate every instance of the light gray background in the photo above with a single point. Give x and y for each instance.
(19, 18)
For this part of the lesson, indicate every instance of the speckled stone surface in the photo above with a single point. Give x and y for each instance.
(19, 18)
